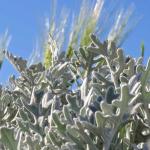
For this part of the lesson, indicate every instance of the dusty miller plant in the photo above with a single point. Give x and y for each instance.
(92, 98)
(99, 99)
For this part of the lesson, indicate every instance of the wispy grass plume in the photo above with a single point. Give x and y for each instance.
(96, 17)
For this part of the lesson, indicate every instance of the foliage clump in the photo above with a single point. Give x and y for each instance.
(91, 97)
(98, 99)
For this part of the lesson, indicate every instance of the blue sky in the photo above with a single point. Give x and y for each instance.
(24, 20)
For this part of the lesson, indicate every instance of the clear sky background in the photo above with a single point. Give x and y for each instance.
(24, 20)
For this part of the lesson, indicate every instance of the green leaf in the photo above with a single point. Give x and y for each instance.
(7, 138)
(47, 58)
(69, 52)
(142, 49)
(60, 126)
